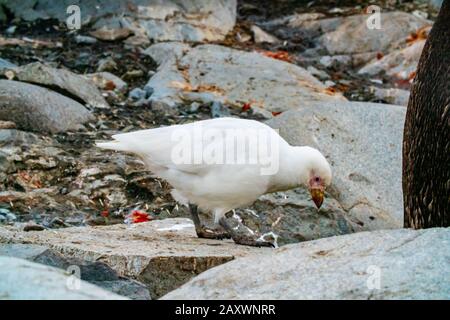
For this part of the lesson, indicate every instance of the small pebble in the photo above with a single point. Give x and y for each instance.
(194, 107)
(137, 94)
(85, 39)
(7, 125)
(133, 74)
(7, 216)
(11, 30)
(106, 64)
(33, 227)
(148, 91)
(57, 223)
(218, 110)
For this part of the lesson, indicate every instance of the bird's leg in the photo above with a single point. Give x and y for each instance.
(243, 235)
(203, 231)
(194, 214)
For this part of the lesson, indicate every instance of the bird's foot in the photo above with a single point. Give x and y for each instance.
(203, 231)
(209, 233)
(243, 235)
(251, 241)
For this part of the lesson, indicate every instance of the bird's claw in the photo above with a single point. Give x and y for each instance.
(250, 241)
(241, 235)
(208, 233)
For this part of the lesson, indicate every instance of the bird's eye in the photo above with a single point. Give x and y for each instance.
(317, 179)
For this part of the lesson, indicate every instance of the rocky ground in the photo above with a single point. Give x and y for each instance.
(287, 63)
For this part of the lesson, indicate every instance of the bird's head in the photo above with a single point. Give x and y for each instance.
(317, 176)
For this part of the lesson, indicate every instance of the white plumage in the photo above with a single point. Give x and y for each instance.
(220, 186)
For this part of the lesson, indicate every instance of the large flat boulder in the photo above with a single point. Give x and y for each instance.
(291, 216)
(363, 143)
(64, 81)
(170, 20)
(96, 272)
(25, 280)
(395, 96)
(399, 64)
(208, 73)
(107, 81)
(162, 254)
(35, 108)
(347, 39)
(385, 264)
(353, 36)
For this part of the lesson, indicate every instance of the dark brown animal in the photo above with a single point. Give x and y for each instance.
(426, 139)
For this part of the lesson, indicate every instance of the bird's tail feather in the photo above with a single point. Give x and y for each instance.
(113, 145)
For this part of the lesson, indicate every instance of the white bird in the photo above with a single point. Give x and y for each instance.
(225, 163)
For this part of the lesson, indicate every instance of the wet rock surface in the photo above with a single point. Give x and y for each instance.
(411, 264)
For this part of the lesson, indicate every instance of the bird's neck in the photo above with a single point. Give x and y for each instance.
(293, 170)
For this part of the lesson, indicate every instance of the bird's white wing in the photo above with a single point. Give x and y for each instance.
(154, 146)
(195, 147)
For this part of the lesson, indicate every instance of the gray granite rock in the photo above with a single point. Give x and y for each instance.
(162, 254)
(17, 137)
(385, 264)
(11, 142)
(24, 280)
(290, 217)
(209, 73)
(353, 36)
(6, 216)
(107, 81)
(260, 36)
(171, 20)
(111, 34)
(5, 65)
(396, 96)
(96, 272)
(296, 20)
(125, 287)
(35, 108)
(399, 64)
(348, 36)
(363, 143)
(65, 81)
(137, 94)
(85, 39)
